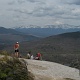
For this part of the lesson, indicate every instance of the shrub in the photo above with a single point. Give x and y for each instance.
(69, 79)
(13, 69)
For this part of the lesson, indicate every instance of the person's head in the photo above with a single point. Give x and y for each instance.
(29, 52)
(38, 53)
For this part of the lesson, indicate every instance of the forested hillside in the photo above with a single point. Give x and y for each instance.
(63, 48)
(10, 36)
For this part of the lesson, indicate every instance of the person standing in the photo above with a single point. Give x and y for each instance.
(16, 48)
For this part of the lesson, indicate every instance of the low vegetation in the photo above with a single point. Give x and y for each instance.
(13, 69)
(69, 79)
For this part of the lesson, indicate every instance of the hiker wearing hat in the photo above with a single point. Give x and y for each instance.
(16, 48)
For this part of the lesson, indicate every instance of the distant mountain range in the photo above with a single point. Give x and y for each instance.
(10, 36)
(48, 30)
(61, 45)
(63, 48)
(65, 26)
(8, 31)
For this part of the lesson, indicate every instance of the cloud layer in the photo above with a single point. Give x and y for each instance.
(39, 12)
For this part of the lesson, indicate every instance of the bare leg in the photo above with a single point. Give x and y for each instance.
(17, 54)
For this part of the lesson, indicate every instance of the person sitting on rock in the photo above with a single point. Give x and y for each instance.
(38, 56)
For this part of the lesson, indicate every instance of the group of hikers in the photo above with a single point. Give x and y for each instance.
(29, 54)
(37, 57)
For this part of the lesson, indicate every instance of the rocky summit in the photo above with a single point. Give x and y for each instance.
(44, 70)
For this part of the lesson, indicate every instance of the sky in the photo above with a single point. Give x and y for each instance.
(15, 13)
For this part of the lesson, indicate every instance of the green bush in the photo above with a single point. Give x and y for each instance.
(69, 79)
(13, 69)
(4, 52)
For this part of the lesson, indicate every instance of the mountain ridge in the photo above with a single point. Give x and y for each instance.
(10, 36)
(62, 48)
(64, 26)
(48, 30)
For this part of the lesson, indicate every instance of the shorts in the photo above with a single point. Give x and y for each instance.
(17, 50)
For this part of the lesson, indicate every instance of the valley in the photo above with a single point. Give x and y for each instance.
(62, 48)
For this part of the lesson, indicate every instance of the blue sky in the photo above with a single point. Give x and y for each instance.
(15, 13)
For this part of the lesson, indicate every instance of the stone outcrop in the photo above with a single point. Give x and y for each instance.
(44, 70)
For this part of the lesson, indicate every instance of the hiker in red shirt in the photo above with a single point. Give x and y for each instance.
(38, 56)
(16, 48)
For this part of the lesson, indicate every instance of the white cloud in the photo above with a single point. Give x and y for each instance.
(58, 22)
(39, 12)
